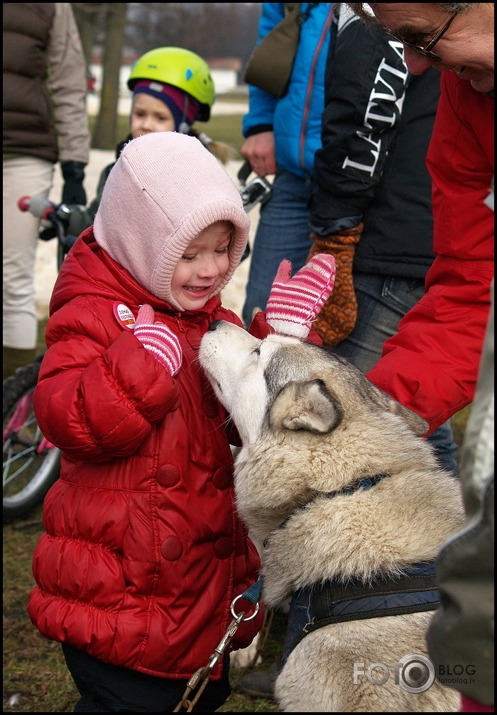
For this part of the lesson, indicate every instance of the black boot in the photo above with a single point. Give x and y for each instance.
(14, 358)
(259, 683)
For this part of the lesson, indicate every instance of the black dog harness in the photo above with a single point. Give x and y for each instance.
(336, 601)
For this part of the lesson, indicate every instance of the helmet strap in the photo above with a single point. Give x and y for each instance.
(184, 127)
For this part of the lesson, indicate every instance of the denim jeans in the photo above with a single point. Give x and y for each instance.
(283, 232)
(381, 304)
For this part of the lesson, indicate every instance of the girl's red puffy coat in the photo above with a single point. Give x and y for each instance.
(143, 551)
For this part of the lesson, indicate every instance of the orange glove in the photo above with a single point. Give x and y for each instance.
(338, 316)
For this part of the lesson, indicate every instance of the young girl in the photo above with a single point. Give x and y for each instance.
(143, 551)
(172, 88)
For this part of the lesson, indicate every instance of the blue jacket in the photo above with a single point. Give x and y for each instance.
(295, 118)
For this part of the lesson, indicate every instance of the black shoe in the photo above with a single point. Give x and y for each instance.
(260, 683)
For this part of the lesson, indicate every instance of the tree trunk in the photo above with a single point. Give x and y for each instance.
(86, 15)
(104, 135)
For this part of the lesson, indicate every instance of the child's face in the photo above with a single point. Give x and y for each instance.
(150, 115)
(203, 266)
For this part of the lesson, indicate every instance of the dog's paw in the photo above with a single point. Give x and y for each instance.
(244, 657)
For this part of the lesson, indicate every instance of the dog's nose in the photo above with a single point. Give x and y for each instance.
(214, 324)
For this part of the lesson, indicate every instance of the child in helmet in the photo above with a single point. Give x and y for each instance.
(171, 89)
(144, 552)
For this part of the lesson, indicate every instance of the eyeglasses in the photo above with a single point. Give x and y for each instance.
(427, 51)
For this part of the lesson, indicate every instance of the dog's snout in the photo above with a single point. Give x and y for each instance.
(214, 324)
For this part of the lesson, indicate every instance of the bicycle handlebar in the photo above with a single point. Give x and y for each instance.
(38, 206)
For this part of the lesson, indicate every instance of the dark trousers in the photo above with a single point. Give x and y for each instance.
(111, 688)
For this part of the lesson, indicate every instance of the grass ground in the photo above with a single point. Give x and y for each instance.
(35, 676)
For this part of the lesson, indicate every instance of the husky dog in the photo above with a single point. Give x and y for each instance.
(349, 509)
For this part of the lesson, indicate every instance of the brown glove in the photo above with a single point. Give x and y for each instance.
(338, 315)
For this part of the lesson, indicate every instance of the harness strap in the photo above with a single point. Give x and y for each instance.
(334, 601)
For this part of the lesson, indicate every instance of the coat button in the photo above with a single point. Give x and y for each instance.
(223, 547)
(168, 475)
(210, 405)
(223, 478)
(194, 338)
(171, 548)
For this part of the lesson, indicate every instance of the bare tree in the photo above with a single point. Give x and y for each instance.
(104, 134)
(104, 23)
(210, 29)
(88, 16)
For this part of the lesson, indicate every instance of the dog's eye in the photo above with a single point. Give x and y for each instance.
(257, 351)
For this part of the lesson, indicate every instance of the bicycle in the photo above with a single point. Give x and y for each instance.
(31, 463)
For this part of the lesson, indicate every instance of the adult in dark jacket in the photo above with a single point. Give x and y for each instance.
(373, 208)
(44, 122)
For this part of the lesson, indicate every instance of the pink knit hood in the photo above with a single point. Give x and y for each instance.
(165, 189)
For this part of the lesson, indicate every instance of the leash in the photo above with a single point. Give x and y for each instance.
(200, 678)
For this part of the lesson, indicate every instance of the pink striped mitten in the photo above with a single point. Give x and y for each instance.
(294, 303)
(158, 339)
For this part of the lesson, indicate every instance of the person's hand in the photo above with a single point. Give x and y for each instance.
(338, 316)
(259, 151)
(294, 303)
(158, 339)
(73, 173)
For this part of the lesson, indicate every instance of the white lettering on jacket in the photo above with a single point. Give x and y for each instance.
(383, 110)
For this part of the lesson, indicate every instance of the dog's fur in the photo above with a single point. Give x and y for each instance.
(311, 423)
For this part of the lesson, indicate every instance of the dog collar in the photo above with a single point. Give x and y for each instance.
(362, 483)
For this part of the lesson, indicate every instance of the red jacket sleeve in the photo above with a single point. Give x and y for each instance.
(99, 393)
(431, 364)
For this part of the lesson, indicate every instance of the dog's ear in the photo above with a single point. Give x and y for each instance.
(417, 424)
(305, 406)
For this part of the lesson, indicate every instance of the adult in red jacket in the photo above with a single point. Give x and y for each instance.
(432, 364)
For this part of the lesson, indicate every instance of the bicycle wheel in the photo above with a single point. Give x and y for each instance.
(30, 463)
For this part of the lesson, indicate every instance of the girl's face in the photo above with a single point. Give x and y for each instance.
(203, 266)
(150, 115)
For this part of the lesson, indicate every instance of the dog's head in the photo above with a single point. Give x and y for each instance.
(282, 384)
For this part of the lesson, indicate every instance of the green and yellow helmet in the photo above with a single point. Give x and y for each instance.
(179, 68)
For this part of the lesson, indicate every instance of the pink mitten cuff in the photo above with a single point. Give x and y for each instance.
(158, 339)
(294, 303)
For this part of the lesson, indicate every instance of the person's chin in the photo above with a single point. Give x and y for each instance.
(483, 84)
(190, 301)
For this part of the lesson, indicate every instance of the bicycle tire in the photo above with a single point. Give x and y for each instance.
(27, 474)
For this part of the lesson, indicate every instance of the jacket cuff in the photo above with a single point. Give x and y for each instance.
(258, 129)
